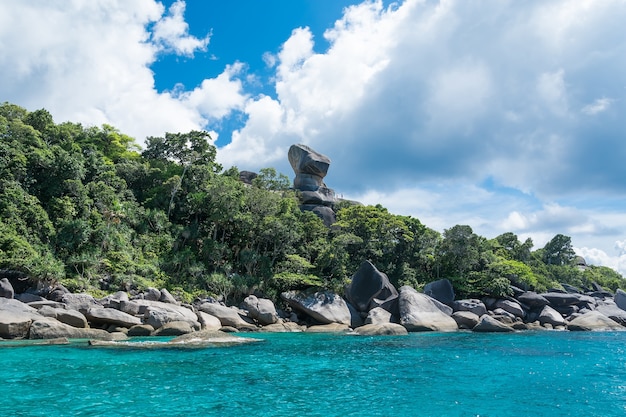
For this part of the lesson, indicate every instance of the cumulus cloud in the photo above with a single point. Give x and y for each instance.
(172, 32)
(89, 62)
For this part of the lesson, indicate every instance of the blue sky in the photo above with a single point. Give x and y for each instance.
(506, 116)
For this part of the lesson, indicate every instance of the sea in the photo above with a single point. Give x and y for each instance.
(539, 373)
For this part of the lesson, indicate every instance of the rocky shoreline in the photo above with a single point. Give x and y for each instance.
(371, 305)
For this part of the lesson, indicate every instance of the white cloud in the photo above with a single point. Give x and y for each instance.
(172, 32)
(598, 106)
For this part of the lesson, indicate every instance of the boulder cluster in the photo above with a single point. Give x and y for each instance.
(371, 305)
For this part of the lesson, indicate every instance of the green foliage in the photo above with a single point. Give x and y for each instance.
(83, 206)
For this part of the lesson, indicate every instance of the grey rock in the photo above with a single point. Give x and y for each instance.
(72, 317)
(49, 328)
(558, 299)
(419, 312)
(488, 324)
(370, 288)
(158, 314)
(329, 328)
(612, 311)
(101, 315)
(512, 307)
(550, 316)
(441, 290)
(140, 330)
(593, 320)
(16, 318)
(532, 299)
(166, 297)
(260, 309)
(27, 297)
(6, 289)
(378, 315)
(283, 327)
(174, 328)
(324, 306)
(152, 294)
(385, 329)
(309, 166)
(79, 302)
(472, 305)
(57, 293)
(48, 303)
(465, 319)
(226, 315)
(208, 321)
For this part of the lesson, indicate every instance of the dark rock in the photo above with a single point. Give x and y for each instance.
(140, 330)
(473, 305)
(324, 306)
(571, 289)
(6, 289)
(557, 299)
(57, 293)
(512, 307)
(174, 328)
(440, 290)
(152, 294)
(420, 312)
(325, 213)
(532, 299)
(370, 288)
(321, 197)
(27, 297)
(247, 177)
(620, 298)
(309, 166)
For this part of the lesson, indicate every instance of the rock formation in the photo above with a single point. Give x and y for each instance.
(310, 168)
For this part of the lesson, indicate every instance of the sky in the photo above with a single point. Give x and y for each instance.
(503, 115)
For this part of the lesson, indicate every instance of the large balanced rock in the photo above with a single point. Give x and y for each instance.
(309, 166)
(16, 318)
(371, 288)
(420, 312)
(440, 290)
(324, 306)
(260, 309)
(6, 289)
(593, 320)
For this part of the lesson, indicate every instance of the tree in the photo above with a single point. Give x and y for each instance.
(559, 251)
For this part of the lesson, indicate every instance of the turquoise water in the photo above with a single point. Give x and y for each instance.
(425, 374)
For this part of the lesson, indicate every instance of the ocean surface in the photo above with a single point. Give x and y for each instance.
(423, 374)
